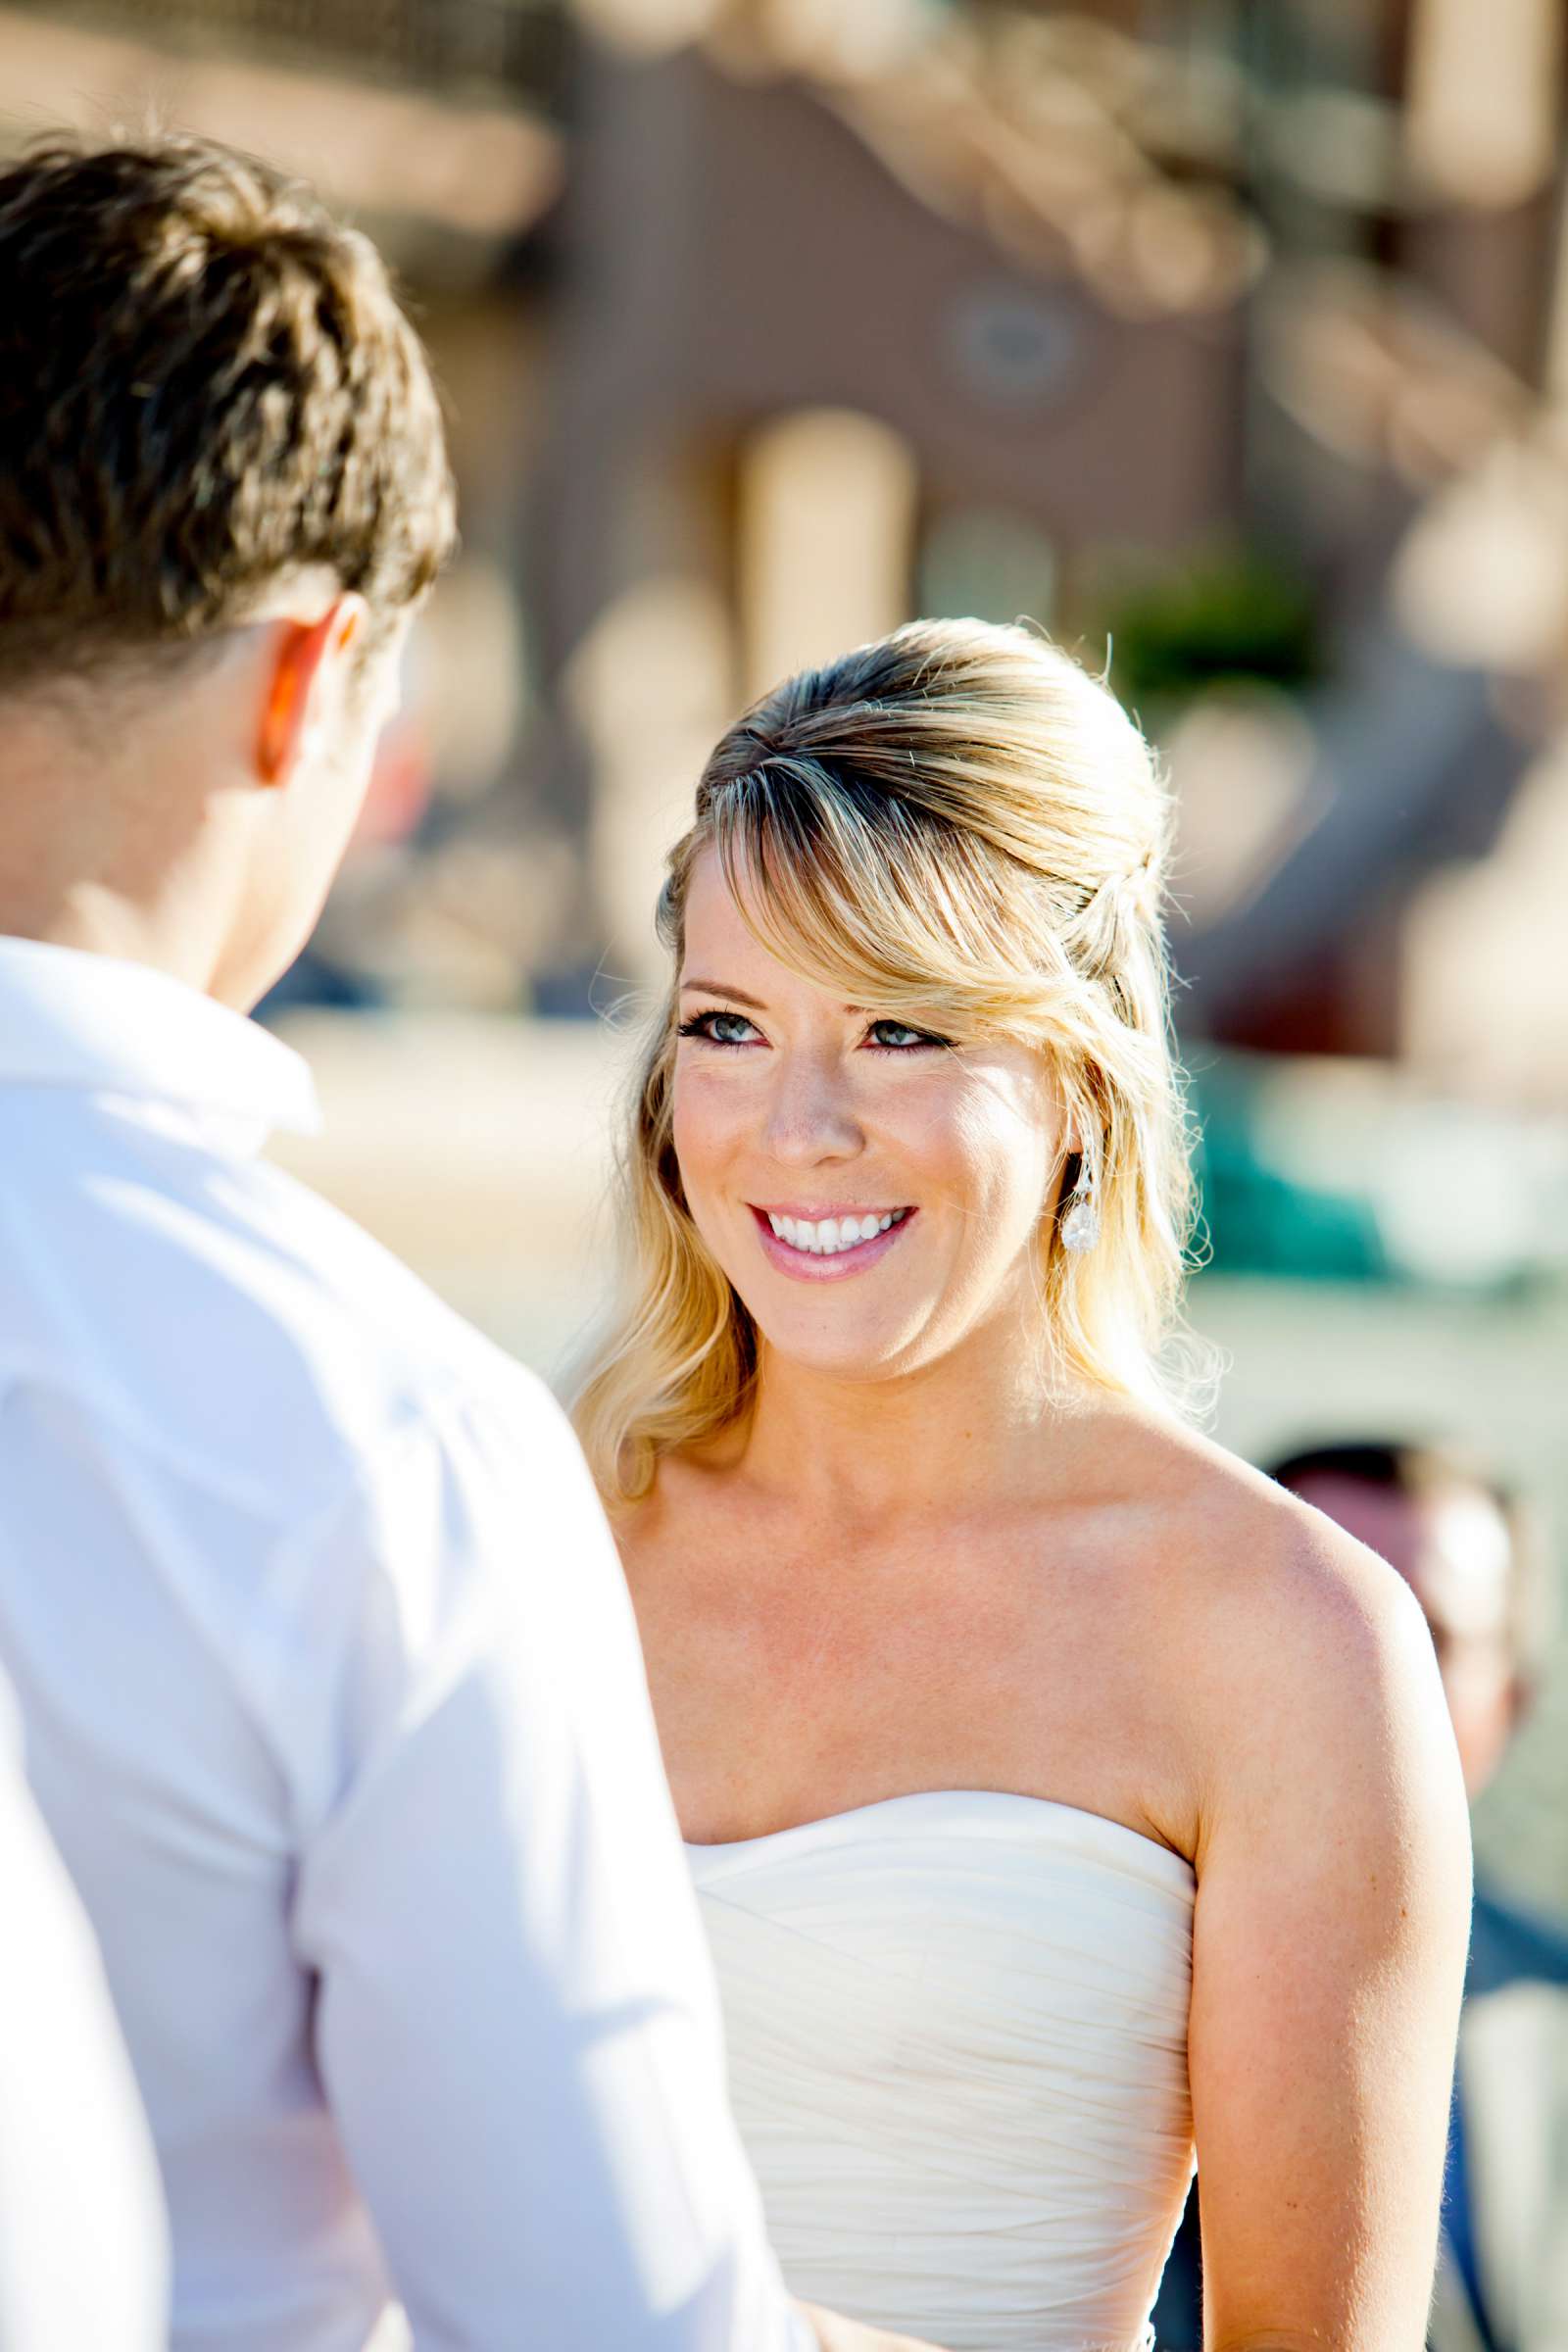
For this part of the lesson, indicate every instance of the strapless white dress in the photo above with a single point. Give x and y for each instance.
(957, 2027)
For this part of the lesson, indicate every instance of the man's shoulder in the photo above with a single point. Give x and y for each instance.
(226, 1317)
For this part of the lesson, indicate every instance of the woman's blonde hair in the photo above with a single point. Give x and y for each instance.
(957, 817)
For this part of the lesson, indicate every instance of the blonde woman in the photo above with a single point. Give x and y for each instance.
(1059, 1793)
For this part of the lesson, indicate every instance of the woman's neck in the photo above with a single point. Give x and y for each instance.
(874, 1450)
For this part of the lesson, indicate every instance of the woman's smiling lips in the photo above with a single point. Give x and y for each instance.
(804, 1265)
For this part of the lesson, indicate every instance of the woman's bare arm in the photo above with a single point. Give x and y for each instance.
(1330, 1938)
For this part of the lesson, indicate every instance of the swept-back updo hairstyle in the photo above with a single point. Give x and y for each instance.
(957, 818)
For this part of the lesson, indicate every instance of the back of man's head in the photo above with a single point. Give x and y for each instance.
(206, 385)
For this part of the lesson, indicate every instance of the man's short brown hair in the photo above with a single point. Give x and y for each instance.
(206, 384)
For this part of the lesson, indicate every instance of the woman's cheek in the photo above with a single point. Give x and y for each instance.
(704, 1129)
(1006, 1159)
(695, 1118)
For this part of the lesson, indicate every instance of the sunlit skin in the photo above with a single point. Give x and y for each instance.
(1454, 1550)
(919, 1562)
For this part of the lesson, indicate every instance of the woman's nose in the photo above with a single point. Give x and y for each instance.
(811, 1113)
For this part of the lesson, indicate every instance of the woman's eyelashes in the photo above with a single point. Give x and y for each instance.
(907, 1039)
(717, 1028)
(709, 1026)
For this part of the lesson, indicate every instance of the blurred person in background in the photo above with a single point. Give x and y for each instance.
(1473, 1560)
(84, 2240)
(329, 1681)
(982, 1678)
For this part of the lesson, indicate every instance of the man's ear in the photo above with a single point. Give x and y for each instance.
(302, 656)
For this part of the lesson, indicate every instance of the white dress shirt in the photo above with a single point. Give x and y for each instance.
(334, 1706)
(84, 2249)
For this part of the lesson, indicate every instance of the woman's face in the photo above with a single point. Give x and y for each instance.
(873, 1195)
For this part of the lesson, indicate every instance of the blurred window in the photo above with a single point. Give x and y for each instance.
(1289, 41)
(977, 563)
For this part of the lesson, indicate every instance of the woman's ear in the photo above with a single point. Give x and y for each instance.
(1070, 1111)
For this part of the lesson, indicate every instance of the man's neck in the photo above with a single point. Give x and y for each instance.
(95, 921)
(115, 835)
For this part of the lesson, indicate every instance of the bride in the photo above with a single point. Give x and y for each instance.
(1059, 1793)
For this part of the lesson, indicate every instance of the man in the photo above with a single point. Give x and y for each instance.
(84, 2258)
(1463, 1548)
(332, 1696)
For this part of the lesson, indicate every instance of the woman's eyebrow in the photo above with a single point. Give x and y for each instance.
(715, 988)
(738, 996)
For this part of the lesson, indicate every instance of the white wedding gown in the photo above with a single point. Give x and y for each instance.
(957, 2053)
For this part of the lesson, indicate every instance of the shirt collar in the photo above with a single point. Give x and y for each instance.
(70, 1018)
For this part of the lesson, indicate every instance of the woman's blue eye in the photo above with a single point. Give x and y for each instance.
(713, 1027)
(903, 1039)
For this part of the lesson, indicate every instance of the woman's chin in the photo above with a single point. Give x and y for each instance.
(849, 1356)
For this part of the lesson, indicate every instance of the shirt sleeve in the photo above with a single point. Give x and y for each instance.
(84, 2240)
(516, 2021)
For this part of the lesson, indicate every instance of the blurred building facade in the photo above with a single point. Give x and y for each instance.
(1230, 342)
(1027, 309)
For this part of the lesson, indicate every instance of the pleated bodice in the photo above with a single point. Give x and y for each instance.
(956, 2028)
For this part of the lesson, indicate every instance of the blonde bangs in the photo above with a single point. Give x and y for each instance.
(867, 893)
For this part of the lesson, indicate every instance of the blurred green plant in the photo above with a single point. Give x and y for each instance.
(1343, 1173)
(1229, 617)
(1261, 1219)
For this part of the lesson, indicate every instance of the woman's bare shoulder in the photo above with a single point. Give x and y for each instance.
(1273, 1615)
(1229, 1542)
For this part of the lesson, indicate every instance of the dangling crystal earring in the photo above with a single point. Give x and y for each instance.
(1080, 1226)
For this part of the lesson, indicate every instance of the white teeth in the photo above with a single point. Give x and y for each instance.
(828, 1235)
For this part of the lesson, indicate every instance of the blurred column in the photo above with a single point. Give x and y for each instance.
(651, 690)
(1556, 363)
(826, 539)
(653, 683)
(1485, 999)
(1481, 125)
(1480, 132)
